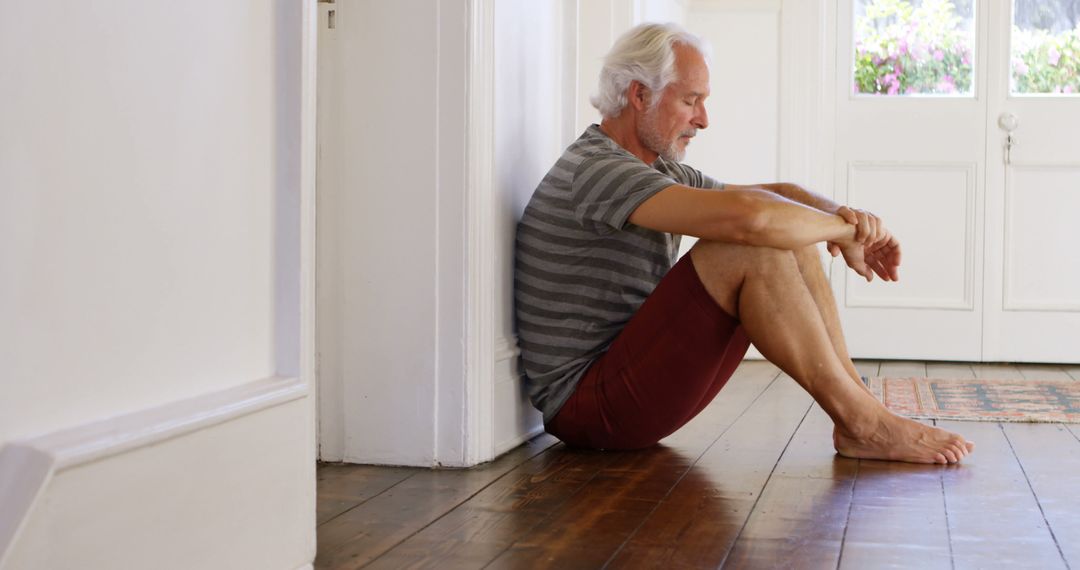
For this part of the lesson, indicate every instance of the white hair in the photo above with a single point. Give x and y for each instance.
(646, 54)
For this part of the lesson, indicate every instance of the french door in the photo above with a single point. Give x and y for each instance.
(958, 122)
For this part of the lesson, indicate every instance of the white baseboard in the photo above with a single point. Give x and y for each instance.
(515, 421)
(26, 466)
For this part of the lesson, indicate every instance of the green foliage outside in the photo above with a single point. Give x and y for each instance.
(1046, 63)
(904, 49)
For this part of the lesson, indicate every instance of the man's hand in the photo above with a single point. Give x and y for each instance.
(868, 228)
(873, 250)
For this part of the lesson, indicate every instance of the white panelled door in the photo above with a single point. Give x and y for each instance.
(1032, 309)
(911, 150)
(925, 112)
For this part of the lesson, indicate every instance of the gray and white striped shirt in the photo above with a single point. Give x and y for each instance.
(581, 269)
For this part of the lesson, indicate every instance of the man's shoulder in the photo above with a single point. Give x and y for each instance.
(590, 145)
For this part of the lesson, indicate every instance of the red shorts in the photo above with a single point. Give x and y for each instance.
(666, 365)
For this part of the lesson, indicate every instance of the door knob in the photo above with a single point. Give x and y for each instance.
(1008, 122)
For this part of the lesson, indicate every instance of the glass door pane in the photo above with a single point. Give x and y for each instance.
(1045, 47)
(914, 47)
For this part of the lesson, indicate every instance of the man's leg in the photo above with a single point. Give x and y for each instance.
(809, 260)
(764, 288)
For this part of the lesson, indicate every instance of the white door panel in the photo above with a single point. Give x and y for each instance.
(1040, 232)
(916, 161)
(981, 188)
(1032, 280)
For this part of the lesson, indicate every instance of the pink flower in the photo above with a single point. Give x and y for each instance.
(894, 89)
(947, 85)
(903, 46)
(1053, 56)
(1067, 89)
(939, 55)
(1020, 67)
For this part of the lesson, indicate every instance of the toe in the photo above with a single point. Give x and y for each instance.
(948, 453)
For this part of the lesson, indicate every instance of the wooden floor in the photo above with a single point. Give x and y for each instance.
(752, 482)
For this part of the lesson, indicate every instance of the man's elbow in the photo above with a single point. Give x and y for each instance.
(755, 228)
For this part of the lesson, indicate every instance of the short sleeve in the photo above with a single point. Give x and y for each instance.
(607, 188)
(690, 176)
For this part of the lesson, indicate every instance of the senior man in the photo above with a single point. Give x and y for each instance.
(621, 344)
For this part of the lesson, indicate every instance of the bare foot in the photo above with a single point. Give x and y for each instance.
(896, 438)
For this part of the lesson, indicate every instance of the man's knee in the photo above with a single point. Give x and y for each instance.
(809, 259)
(737, 255)
(733, 263)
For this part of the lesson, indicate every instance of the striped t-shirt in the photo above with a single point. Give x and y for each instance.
(581, 269)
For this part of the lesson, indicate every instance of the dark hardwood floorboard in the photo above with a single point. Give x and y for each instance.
(587, 530)
(897, 518)
(752, 482)
(949, 370)
(361, 534)
(344, 486)
(524, 504)
(799, 521)
(868, 367)
(1050, 456)
(898, 510)
(902, 368)
(699, 521)
(994, 519)
(1043, 372)
(997, 371)
(477, 531)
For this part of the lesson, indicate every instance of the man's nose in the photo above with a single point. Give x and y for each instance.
(701, 118)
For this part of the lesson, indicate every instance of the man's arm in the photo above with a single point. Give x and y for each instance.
(795, 193)
(746, 215)
(754, 216)
(869, 230)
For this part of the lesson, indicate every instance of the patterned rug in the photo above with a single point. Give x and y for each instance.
(980, 400)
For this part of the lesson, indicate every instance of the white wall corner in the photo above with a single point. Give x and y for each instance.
(480, 221)
(449, 442)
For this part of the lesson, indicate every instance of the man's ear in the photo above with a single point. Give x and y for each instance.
(638, 95)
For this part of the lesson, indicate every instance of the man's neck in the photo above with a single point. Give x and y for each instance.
(622, 130)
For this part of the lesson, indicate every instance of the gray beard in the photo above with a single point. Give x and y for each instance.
(651, 138)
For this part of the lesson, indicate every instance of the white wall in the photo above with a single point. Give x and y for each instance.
(661, 11)
(136, 262)
(740, 146)
(150, 185)
(391, 233)
(534, 122)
